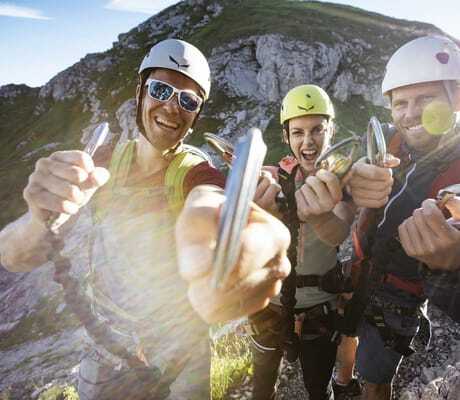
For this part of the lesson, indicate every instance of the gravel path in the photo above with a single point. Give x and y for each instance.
(414, 373)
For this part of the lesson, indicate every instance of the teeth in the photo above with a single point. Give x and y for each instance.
(309, 152)
(414, 128)
(168, 124)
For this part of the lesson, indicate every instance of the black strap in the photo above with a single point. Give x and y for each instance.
(308, 281)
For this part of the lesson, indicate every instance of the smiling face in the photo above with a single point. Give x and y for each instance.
(166, 123)
(306, 138)
(407, 106)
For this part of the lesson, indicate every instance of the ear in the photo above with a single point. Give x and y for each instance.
(457, 98)
(332, 130)
(285, 137)
(138, 93)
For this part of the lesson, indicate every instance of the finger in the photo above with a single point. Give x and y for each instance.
(453, 205)
(262, 186)
(391, 161)
(365, 198)
(219, 305)
(74, 157)
(261, 243)
(360, 182)
(332, 184)
(371, 172)
(405, 240)
(415, 236)
(99, 177)
(268, 198)
(429, 237)
(196, 233)
(50, 202)
(303, 209)
(369, 194)
(436, 221)
(69, 172)
(311, 199)
(61, 188)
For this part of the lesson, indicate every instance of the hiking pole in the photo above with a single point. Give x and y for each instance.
(240, 189)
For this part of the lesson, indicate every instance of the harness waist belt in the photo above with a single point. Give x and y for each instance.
(414, 287)
(308, 280)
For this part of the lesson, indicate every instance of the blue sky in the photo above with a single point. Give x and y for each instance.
(39, 38)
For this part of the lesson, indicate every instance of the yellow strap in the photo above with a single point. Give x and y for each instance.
(175, 176)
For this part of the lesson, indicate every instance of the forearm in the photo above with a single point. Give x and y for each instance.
(24, 245)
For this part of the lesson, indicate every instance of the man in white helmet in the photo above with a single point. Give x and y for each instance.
(421, 81)
(147, 323)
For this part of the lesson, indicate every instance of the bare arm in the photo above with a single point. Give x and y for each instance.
(24, 245)
(61, 183)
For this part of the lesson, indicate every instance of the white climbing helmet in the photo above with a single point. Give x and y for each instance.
(180, 56)
(425, 59)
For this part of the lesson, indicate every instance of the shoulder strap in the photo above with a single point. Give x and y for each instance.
(176, 173)
(118, 166)
(449, 176)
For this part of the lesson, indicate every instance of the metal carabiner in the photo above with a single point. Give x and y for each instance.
(337, 163)
(376, 144)
(224, 148)
(240, 189)
(447, 193)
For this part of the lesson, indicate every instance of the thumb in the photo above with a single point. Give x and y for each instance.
(453, 205)
(391, 161)
(97, 178)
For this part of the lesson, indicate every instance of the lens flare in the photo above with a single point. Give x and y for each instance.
(438, 118)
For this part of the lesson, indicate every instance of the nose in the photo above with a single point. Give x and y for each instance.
(172, 105)
(413, 111)
(308, 138)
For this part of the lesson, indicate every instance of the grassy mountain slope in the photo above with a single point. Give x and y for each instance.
(30, 122)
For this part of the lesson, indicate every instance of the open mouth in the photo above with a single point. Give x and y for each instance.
(309, 154)
(414, 128)
(164, 123)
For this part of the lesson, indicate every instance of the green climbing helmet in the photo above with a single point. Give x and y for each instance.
(306, 100)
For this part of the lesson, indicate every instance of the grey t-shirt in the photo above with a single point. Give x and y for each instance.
(314, 257)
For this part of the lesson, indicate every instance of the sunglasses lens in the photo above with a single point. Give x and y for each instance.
(189, 101)
(160, 91)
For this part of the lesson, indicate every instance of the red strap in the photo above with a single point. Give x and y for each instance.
(412, 287)
(448, 177)
(356, 243)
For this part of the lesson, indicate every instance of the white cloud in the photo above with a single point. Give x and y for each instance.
(140, 6)
(12, 10)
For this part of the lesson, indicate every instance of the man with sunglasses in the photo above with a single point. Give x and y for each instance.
(146, 335)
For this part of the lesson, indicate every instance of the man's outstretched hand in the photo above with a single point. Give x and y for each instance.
(260, 269)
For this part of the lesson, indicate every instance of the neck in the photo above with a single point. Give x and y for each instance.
(148, 159)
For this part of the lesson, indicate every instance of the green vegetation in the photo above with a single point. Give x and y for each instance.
(310, 21)
(231, 363)
(28, 123)
(59, 393)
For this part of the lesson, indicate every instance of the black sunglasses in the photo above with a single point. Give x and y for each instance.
(162, 91)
